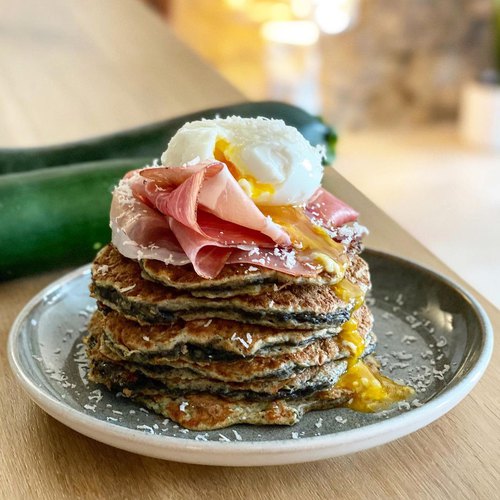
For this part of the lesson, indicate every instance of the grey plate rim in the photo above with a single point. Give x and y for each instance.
(271, 452)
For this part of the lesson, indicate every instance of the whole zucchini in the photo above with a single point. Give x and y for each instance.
(149, 141)
(56, 217)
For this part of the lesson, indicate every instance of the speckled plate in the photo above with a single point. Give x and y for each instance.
(432, 335)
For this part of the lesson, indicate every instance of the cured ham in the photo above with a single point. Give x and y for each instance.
(139, 231)
(207, 255)
(211, 186)
(199, 214)
(329, 210)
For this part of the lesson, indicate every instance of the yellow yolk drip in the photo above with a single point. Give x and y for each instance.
(348, 292)
(350, 337)
(309, 237)
(250, 185)
(371, 390)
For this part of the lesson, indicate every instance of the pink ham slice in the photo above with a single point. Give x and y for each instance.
(212, 187)
(196, 214)
(200, 214)
(207, 255)
(329, 210)
(139, 231)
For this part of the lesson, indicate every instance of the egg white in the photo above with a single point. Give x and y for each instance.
(274, 163)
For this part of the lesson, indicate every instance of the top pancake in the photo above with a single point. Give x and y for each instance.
(234, 279)
(117, 283)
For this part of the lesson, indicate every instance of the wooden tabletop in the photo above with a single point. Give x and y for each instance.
(74, 69)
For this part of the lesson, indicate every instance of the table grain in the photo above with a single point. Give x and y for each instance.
(73, 69)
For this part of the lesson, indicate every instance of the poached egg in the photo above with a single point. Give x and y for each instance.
(272, 162)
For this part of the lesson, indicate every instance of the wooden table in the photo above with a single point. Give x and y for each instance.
(73, 69)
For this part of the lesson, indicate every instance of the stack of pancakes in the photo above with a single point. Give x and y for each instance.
(252, 346)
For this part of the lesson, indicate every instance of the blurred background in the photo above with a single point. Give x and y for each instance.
(394, 78)
(361, 63)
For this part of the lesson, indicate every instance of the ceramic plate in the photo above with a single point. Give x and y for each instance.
(432, 335)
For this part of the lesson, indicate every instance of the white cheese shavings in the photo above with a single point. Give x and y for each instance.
(146, 428)
(95, 396)
(102, 269)
(408, 339)
(123, 190)
(243, 342)
(441, 342)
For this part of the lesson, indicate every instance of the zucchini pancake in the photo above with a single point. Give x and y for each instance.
(233, 291)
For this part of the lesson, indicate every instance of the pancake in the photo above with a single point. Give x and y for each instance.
(179, 381)
(204, 411)
(214, 404)
(284, 365)
(118, 284)
(208, 411)
(234, 279)
(201, 412)
(216, 340)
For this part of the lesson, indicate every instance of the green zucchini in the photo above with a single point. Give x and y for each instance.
(57, 217)
(151, 140)
(55, 207)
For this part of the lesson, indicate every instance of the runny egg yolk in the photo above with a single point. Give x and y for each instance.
(249, 184)
(349, 292)
(371, 391)
(305, 235)
(309, 238)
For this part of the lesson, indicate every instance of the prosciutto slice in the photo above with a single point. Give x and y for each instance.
(139, 231)
(196, 214)
(329, 210)
(207, 255)
(199, 214)
(212, 187)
